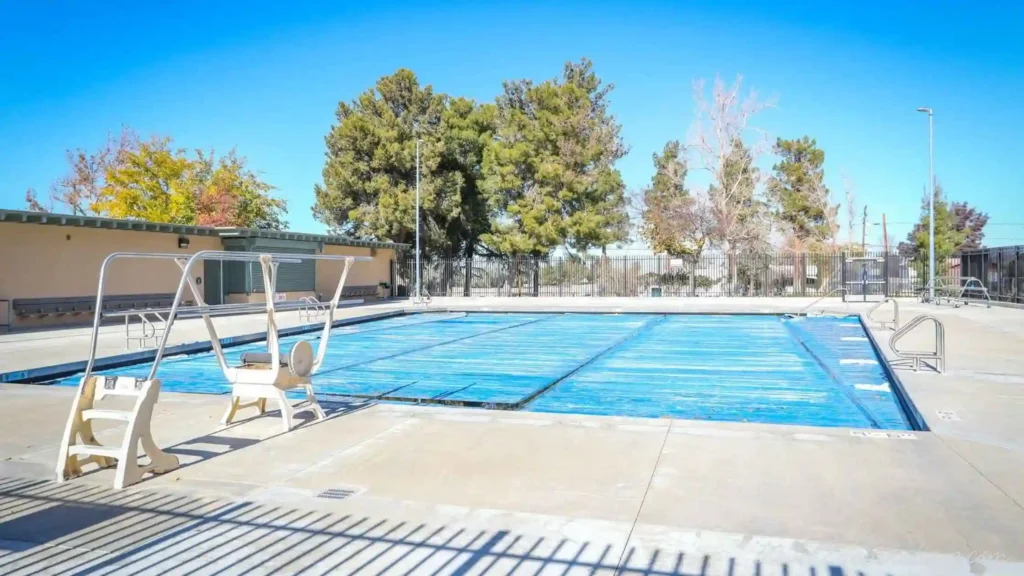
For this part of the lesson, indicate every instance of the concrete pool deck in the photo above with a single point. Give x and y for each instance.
(445, 490)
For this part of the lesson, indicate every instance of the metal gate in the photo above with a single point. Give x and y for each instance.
(865, 278)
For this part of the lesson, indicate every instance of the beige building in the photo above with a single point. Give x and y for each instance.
(49, 265)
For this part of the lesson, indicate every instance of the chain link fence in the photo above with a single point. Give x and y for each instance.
(867, 276)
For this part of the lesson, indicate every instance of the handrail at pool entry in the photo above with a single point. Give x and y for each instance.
(261, 377)
(938, 355)
(803, 311)
(895, 314)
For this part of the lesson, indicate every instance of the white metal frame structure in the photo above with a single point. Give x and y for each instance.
(260, 376)
(956, 290)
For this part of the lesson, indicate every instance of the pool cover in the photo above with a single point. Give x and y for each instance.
(819, 371)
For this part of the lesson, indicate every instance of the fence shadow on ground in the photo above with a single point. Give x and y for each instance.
(49, 528)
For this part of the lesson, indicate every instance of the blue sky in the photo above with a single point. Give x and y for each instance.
(265, 77)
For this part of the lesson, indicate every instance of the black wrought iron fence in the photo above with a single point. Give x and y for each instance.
(999, 269)
(710, 275)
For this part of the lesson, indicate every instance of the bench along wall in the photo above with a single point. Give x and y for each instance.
(364, 279)
(64, 261)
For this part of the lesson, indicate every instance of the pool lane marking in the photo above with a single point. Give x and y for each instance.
(795, 332)
(642, 328)
(424, 320)
(445, 342)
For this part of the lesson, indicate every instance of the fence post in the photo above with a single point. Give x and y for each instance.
(625, 273)
(536, 276)
(842, 274)
(1016, 278)
(885, 267)
(391, 278)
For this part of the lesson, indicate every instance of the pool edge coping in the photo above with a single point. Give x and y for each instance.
(914, 417)
(44, 374)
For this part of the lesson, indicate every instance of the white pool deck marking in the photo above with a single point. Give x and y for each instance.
(458, 491)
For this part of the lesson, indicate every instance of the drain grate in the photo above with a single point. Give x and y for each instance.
(947, 415)
(337, 493)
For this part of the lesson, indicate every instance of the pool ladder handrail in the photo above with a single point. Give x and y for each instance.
(895, 314)
(803, 311)
(938, 356)
(311, 309)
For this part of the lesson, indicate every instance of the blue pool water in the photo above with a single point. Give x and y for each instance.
(818, 371)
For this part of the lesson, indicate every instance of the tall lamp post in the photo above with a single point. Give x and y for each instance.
(419, 292)
(931, 204)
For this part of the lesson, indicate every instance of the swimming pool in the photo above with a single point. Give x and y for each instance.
(819, 371)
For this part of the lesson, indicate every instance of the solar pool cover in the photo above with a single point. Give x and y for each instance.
(819, 371)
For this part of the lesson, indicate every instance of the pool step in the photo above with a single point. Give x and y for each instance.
(100, 414)
(79, 446)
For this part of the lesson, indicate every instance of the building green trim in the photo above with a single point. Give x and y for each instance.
(45, 218)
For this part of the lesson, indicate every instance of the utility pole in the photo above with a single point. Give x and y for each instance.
(864, 231)
(885, 235)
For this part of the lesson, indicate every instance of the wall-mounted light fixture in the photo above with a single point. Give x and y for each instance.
(182, 242)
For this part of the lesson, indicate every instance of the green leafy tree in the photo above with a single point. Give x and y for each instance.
(740, 210)
(369, 179)
(228, 193)
(157, 182)
(958, 226)
(153, 180)
(549, 175)
(971, 222)
(797, 188)
(674, 222)
(948, 236)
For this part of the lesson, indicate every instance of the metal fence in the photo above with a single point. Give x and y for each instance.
(999, 269)
(871, 276)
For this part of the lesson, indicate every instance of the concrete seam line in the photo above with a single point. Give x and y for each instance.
(982, 474)
(342, 452)
(640, 509)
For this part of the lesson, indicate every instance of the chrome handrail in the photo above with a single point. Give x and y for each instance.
(803, 311)
(186, 263)
(938, 355)
(895, 314)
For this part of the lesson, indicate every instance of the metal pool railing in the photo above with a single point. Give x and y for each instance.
(708, 275)
(937, 356)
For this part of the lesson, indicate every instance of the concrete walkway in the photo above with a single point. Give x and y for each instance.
(458, 491)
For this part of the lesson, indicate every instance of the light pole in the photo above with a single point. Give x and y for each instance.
(419, 293)
(931, 204)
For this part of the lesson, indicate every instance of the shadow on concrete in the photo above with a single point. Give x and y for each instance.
(229, 444)
(134, 532)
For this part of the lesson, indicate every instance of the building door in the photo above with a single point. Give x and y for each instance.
(213, 280)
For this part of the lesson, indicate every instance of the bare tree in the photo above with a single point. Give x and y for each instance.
(820, 197)
(680, 226)
(32, 203)
(80, 187)
(851, 208)
(726, 145)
